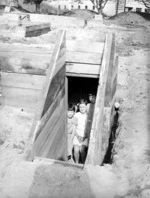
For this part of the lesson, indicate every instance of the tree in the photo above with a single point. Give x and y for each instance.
(36, 2)
(145, 2)
(99, 4)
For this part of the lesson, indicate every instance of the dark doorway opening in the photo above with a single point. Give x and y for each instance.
(79, 88)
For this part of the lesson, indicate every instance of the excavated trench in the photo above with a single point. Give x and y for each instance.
(108, 159)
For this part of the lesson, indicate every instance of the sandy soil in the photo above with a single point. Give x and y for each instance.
(14, 131)
(129, 175)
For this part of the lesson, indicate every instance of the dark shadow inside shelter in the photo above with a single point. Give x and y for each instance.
(80, 88)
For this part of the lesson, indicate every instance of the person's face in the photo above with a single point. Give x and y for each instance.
(83, 108)
(70, 114)
(92, 98)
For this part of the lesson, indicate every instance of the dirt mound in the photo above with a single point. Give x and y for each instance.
(84, 14)
(46, 8)
(128, 18)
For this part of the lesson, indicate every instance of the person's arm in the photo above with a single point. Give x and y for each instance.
(73, 133)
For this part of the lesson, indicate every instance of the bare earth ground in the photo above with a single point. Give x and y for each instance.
(129, 175)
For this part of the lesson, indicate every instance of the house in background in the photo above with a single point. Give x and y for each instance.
(131, 5)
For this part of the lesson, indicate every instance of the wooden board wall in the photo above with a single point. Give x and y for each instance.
(94, 155)
(112, 76)
(21, 90)
(49, 137)
(80, 56)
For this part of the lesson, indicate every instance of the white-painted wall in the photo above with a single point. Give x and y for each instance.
(135, 4)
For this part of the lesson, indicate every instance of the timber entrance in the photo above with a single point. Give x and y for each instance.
(39, 79)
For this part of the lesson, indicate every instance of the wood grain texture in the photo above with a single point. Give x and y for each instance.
(94, 155)
(25, 81)
(50, 134)
(21, 97)
(75, 68)
(72, 69)
(48, 142)
(114, 79)
(50, 111)
(84, 46)
(21, 90)
(106, 130)
(111, 70)
(48, 161)
(24, 60)
(35, 59)
(57, 84)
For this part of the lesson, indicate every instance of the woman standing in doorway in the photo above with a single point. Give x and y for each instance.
(80, 141)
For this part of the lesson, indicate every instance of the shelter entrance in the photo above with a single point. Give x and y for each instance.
(79, 88)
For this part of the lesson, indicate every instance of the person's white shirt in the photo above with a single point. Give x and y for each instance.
(81, 123)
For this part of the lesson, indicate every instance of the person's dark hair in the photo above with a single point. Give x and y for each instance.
(83, 101)
(71, 107)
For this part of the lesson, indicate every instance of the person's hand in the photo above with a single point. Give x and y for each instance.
(80, 138)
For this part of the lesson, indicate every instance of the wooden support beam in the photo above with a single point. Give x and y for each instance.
(76, 69)
(52, 161)
(112, 76)
(94, 155)
(48, 137)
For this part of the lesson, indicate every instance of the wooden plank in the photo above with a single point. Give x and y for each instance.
(52, 144)
(55, 149)
(59, 63)
(84, 46)
(52, 161)
(49, 123)
(82, 75)
(57, 85)
(25, 81)
(39, 125)
(71, 46)
(82, 68)
(72, 69)
(26, 48)
(114, 88)
(34, 27)
(34, 50)
(114, 79)
(108, 97)
(23, 65)
(106, 129)
(24, 54)
(20, 97)
(94, 155)
(66, 114)
(49, 112)
(47, 141)
(80, 57)
(23, 60)
(51, 80)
